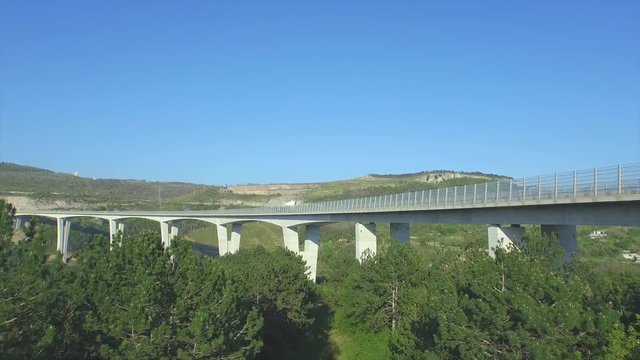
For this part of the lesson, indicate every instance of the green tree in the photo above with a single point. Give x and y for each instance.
(30, 227)
(210, 313)
(623, 343)
(141, 301)
(511, 306)
(30, 306)
(382, 290)
(276, 283)
(7, 212)
(137, 301)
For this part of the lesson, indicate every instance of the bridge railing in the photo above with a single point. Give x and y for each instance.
(580, 184)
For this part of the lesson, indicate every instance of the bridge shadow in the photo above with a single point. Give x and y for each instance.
(204, 249)
(318, 344)
(289, 342)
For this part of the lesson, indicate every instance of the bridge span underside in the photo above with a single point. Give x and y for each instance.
(557, 220)
(618, 213)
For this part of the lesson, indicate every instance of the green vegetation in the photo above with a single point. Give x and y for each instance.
(440, 297)
(6, 220)
(139, 301)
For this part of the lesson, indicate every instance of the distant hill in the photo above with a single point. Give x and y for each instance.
(43, 182)
(50, 188)
(60, 190)
(369, 185)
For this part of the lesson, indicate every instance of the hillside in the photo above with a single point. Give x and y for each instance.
(388, 184)
(47, 189)
(30, 187)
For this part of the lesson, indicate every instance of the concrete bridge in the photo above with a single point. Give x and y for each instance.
(558, 202)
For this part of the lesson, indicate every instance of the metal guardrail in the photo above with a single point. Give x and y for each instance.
(580, 184)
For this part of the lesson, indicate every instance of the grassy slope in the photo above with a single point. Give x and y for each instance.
(371, 186)
(48, 185)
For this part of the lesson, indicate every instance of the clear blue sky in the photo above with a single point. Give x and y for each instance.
(226, 92)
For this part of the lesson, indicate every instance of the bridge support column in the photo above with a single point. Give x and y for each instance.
(226, 245)
(223, 242)
(566, 234)
(234, 242)
(366, 241)
(309, 252)
(400, 232)
(18, 222)
(64, 227)
(290, 237)
(115, 227)
(506, 238)
(164, 234)
(168, 232)
(174, 232)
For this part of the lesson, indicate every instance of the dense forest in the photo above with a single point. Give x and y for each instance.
(140, 301)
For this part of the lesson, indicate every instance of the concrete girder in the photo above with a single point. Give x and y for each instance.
(622, 213)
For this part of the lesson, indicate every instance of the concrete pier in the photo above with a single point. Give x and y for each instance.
(18, 221)
(115, 228)
(164, 234)
(64, 228)
(366, 240)
(234, 242)
(507, 238)
(566, 235)
(309, 252)
(226, 244)
(400, 232)
(223, 242)
(290, 237)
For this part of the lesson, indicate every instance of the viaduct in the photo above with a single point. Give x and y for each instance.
(558, 202)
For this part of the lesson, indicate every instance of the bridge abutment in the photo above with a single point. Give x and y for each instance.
(366, 240)
(566, 235)
(507, 238)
